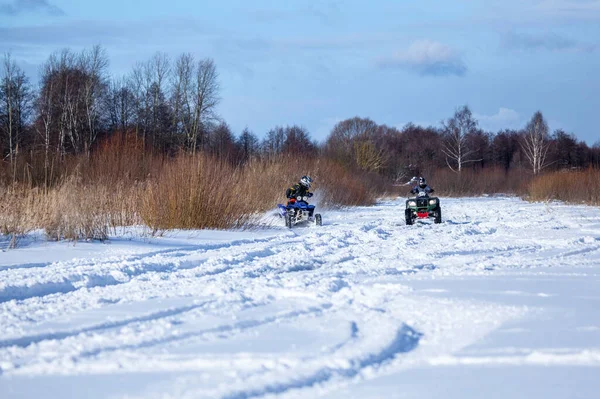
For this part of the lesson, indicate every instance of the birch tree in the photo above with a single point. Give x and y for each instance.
(181, 98)
(94, 64)
(73, 87)
(149, 83)
(206, 97)
(455, 144)
(535, 143)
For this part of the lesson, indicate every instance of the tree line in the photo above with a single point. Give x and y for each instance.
(169, 106)
(457, 144)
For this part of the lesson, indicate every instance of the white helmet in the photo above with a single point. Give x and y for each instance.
(305, 181)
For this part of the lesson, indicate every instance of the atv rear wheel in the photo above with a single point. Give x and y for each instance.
(318, 219)
(408, 216)
(438, 215)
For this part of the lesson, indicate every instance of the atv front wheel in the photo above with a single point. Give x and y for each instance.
(438, 215)
(408, 216)
(288, 221)
(318, 219)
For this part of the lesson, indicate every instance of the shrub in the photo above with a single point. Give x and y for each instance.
(478, 182)
(127, 187)
(570, 186)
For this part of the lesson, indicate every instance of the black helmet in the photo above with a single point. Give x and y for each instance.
(305, 181)
(422, 182)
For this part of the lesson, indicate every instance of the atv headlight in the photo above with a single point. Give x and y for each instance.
(412, 203)
(305, 198)
(432, 202)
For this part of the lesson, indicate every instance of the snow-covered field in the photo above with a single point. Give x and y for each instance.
(500, 301)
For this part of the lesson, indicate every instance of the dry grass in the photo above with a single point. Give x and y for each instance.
(334, 185)
(572, 186)
(75, 211)
(120, 185)
(70, 211)
(478, 182)
(195, 193)
(17, 215)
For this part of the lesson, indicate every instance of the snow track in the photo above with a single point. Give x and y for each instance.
(275, 312)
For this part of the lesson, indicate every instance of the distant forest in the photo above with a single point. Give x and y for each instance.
(169, 107)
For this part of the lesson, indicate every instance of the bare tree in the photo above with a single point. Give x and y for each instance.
(248, 145)
(157, 73)
(120, 105)
(194, 97)
(45, 112)
(16, 98)
(504, 146)
(221, 142)
(455, 146)
(420, 149)
(341, 141)
(206, 98)
(94, 64)
(181, 97)
(272, 145)
(297, 141)
(565, 151)
(368, 157)
(148, 82)
(535, 143)
(73, 89)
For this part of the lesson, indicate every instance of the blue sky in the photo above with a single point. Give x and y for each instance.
(314, 63)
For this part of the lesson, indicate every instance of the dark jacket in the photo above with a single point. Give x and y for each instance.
(418, 189)
(297, 190)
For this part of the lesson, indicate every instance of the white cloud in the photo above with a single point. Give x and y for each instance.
(428, 57)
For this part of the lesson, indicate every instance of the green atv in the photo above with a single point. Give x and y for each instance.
(423, 207)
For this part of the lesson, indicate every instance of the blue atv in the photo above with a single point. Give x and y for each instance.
(299, 211)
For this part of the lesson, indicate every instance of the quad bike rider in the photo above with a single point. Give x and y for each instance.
(422, 187)
(297, 209)
(299, 189)
(423, 206)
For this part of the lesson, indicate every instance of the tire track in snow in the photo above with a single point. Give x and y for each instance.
(242, 325)
(91, 274)
(25, 341)
(25, 361)
(256, 254)
(406, 340)
(256, 260)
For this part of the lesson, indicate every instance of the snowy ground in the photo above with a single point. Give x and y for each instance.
(502, 300)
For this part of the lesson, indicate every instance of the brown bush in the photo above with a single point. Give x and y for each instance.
(479, 182)
(120, 185)
(195, 193)
(17, 211)
(334, 185)
(76, 211)
(569, 186)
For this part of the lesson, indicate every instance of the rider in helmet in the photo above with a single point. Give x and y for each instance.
(299, 189)
(422, 187)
